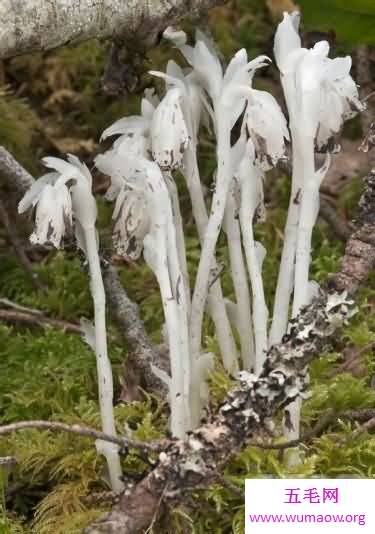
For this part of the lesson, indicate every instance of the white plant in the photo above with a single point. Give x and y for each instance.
(320, 95)
(59, 197)
(142, 164)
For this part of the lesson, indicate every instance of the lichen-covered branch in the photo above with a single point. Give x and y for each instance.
(197, 461)
(39, 25)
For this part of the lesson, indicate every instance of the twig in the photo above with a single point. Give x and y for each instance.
(369, 425)
(38, 320)
(321, 425)
(56, 426)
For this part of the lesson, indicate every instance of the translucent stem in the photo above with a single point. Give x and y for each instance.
(285, 281)
(209, 245)
(260, 312)
(105, 382)
(216, 304)
(180, 236)
(241, 287)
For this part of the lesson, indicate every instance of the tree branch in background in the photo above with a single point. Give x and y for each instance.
(39, 25)
(142, 354)
(195, 463)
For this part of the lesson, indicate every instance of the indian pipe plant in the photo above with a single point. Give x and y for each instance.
(251, 134)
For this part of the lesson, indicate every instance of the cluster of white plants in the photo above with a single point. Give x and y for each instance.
(142, 164)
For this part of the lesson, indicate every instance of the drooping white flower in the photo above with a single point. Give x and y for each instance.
(191, 94)
(169, 134)
(83, 201)
(57, 196)
(320, 92)
(267, 126)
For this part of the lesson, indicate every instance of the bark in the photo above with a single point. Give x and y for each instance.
(184, 466)
(143, 354)
(39, 25)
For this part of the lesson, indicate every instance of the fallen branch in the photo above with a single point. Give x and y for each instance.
(39, 25)
(196, 462)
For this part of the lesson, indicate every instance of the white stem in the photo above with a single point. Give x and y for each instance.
(216, 306)
(308, 213)
(285, 281)
(309, 207)
(176, 277)
(224, 176)
(180, 236)
(180, 364)
(260, 312)
(105, 382)
(241, 287)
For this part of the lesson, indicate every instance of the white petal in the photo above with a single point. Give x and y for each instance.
(238, 60)
(338, 68)
(82, 167)
(60, 165)
(132, 224)
(287, 39)
(52, 208)
(31, 196)
(169, 133)
(208, 69)
(267, 126)
(127, 125)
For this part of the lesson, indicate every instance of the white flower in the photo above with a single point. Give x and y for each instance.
(191, 94)
(132, 223)
(57, 195)
(320, 92)
(122, 161)
(169, 134)
(83, 201)
(228, 91)
(267, 127)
